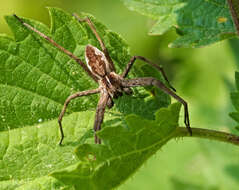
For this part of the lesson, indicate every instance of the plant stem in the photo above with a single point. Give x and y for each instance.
(234, 9)
(207, 134)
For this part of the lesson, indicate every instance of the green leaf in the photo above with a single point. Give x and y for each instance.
(35, 80)
(29, 154)
(198, 22)
(125, 150)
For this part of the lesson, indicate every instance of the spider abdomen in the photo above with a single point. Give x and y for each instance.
(96, 61)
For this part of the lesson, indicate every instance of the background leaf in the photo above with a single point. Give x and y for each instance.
(198, 22)
(36, 79)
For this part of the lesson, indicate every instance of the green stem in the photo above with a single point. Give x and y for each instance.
(207, 134)
(234, 9)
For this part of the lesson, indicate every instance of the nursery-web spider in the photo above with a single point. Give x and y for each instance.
(100, 68)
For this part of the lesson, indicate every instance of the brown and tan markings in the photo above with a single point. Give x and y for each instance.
(96, 61)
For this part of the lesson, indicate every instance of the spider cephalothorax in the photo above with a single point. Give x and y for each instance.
(99, 66)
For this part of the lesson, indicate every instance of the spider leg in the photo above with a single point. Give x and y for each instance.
(71, 97)
(160, 68)
(78, 60)
(99, 115)
(102, 45)
(148, 81)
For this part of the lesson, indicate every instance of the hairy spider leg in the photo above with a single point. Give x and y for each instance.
(78, 60)
(149, 81)
(71, 97)
(160, 68)
(100, 111)
(102, 45)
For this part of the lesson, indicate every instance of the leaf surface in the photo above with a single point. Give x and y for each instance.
(197, 22)
(125, 150)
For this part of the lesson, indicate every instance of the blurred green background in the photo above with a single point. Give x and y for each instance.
(204, 77)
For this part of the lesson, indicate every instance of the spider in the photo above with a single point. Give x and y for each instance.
(101, 69)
